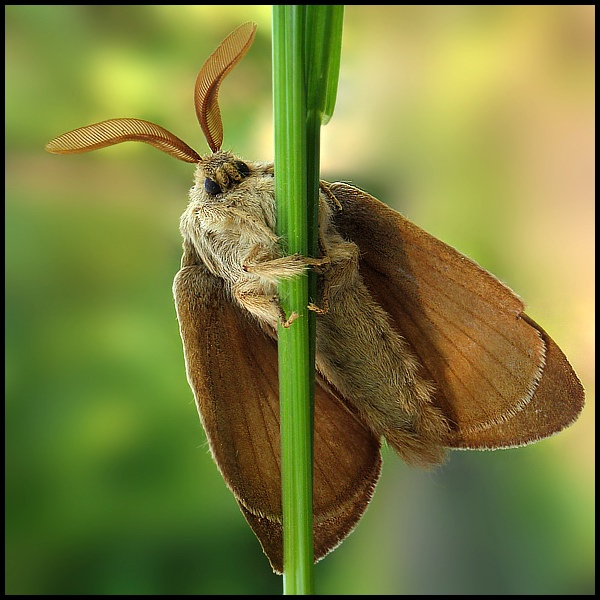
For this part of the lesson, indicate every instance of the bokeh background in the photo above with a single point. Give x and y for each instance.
(477, 122)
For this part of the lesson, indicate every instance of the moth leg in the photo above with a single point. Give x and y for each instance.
(320, 310)
(265, 307)
(324, 187)
(323, 309)
(341, 272)
(261, 262)
(324, 252)
(289, 321)
(344, 263)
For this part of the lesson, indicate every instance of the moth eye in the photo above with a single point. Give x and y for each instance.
(212, 187)
(243, 168)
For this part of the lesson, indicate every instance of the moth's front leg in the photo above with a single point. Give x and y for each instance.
(269, 268)
(341, 272)
(261, 262)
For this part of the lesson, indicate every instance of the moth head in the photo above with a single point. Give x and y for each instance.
(220, 172)
(114, 131)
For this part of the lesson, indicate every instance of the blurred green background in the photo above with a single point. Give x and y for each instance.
(477, 122)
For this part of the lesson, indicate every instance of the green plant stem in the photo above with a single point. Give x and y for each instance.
(306, 58)
(295, 369)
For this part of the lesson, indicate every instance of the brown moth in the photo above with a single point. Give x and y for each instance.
(415, 343)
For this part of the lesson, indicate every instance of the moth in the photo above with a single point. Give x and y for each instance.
(416, 344)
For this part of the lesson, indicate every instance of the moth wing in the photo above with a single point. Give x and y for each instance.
(498, 376)
(232, 369)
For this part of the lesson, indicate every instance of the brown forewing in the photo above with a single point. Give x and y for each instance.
(498, 376)
(232, 369)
